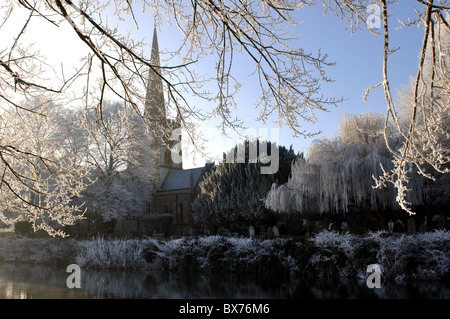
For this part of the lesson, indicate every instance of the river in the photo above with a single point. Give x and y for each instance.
(22, 281)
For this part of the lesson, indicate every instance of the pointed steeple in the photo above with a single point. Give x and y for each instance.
(155, 110)
(155, 48)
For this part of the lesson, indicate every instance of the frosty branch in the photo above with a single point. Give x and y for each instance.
(39, 178)
(425, 134)
(288, 87)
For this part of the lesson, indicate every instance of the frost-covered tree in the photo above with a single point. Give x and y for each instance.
(40, 176)
(338, 173)
(234, 192)
(114, 142)
(111, 137)
(425, 131)
(424, 116)
(432, 123)
(115, 198)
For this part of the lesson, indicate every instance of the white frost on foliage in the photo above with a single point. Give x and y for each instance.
(423, 256)
(114, 254)
(338, 173)
(344, 241)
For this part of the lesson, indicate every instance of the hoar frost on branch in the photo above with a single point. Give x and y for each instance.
(425, 136)
(42, 177)
(289, 78)
(426, 132)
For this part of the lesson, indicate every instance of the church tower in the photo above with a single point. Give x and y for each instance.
(155, 109)
(150, 152)
(156, 117)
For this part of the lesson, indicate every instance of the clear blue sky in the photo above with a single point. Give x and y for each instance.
(358, 58)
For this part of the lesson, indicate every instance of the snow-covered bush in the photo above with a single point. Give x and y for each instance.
(416, 257)
(332, 239)
(406, 257)
(342, 254)
(173, 254)
(225, 253)
(116, 254)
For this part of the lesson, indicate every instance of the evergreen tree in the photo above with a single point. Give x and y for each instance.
(233, 193)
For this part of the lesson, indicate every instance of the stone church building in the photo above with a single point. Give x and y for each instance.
(172, 188)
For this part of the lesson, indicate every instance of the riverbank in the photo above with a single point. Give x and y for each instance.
(402, 258)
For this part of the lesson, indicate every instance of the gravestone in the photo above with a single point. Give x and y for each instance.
(423, 225)
(440, 222)
(399, 227)
(276, 232)
(251, 231)
(391, 226)
(411, 226)
(344, 227)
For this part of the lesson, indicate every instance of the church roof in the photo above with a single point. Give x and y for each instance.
(181, 179)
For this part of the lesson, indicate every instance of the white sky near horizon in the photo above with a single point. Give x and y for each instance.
(358, 60)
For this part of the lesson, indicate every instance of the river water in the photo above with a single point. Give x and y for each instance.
(19, 281)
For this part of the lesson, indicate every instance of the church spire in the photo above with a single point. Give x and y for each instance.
(155, 109)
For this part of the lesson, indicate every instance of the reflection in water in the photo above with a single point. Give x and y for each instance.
(33, 281)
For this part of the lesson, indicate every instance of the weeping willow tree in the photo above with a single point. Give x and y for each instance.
(425, 130)
(339, 173)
